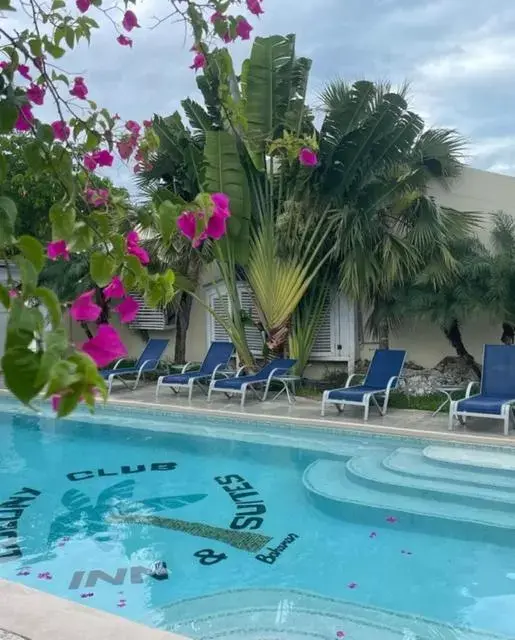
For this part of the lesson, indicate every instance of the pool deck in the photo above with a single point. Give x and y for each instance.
(306, 411)
(28, 614)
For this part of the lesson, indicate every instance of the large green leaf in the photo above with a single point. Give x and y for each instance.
(8, 213)
(224, 173)
(267, 90)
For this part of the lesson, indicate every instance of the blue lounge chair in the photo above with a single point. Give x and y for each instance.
(239, 384)
(148, 361)
(216, 361)
(497, 391)
(382, 376)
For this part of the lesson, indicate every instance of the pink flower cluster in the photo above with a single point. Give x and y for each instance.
(25, 118)
(307, 157)
(79, 89)
(58, 249)
(215, 227)
(61, 130)
(132, 247)
(101, 158)
(96, 197)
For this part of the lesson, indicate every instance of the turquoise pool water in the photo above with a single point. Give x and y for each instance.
(86, 510)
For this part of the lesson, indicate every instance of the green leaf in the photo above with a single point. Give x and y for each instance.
(29, 275)
(36, 47)
(268, 89)
(3, 167)
(92, 140)
(56, 345)
(44, 133)
(33, 250)
(5, 5)
(51, 302)
(168, 214)
(58, 4)
(68, 403)
(102, 268)
(224, 173)
(82, 237)
(8, 213)
(70, 37)
(8, 116)
(62, 217)
(63, 374)
(5, 298)
(23, 323)
(54, 50)
(20, 366)
(34, 156)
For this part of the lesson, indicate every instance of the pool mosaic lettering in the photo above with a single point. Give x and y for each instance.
(93, 519)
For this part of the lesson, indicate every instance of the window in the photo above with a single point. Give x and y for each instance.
(218, 300)
(159, 319)
(335, 339)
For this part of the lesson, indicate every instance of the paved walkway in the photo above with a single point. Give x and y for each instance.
(397, 421)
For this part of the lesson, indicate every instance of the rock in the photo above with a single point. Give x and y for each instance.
(451, 371)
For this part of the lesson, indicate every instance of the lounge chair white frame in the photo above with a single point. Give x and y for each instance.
(141, 371)
(367, 397)
(176, 387)
(248, 385)
(461, 416)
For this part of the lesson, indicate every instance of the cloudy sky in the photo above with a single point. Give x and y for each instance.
(457, 55)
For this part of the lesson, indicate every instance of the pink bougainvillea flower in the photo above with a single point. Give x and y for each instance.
(121, 605)
(55, 401)
(83, 308)
(199, 61)
(125, 149)
(4, 65)
(373, 534)
(133, 248)
(45, 575)
(307, 157)
(115, 288)
(24, 71)
(127, 309)
(352, 585)
(216, 225)
(25, 118)
(130, 20)
(13, 293)
(103, 158)
(79, 89)
(340, 634)
(36, 94)
(24, 572)
(187, 224)
(391, 519)
(124, 41)
(216, 16)
(61, 130)
(227, 37)
(243, 29)
(58, 249)
(90, 164)
(147, 124)
(133, 127)
(254, 6)
(105, 347)
(97, 197)
(83, 5)
(220, 200)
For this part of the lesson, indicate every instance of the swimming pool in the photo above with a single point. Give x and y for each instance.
(266, 532)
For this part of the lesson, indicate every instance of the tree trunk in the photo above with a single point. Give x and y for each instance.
(453, 334)
(181, 329)
(102, 302)
(508, 333)
(383, 336)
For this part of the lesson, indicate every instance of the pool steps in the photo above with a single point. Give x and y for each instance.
(277, 614)
(445, 484)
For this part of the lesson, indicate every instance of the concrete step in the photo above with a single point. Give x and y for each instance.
(284, 614)
(479, 460)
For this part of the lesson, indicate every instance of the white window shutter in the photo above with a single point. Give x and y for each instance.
(220, 305)
(149, 318)
(324, 344)
(335, 339)
(254, 336)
